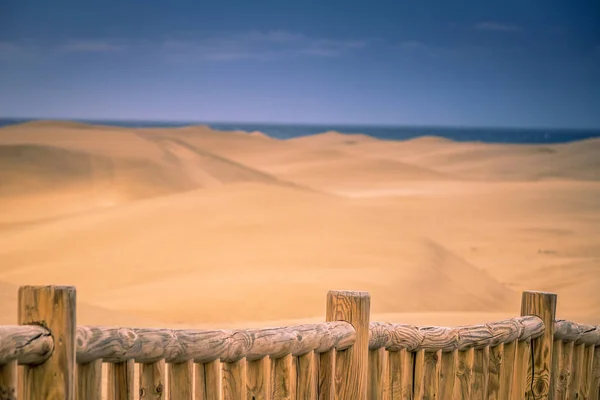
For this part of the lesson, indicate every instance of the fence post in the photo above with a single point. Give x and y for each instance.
(54, 308)
(351, 365)
(542, 305)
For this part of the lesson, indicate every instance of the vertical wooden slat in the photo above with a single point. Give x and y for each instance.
(307, 379)
(234, 380)
(561, 371)
(326, 375)
(481, 362)
(208, 381)
(506, 373)
(55, 307)
(376, 382)
(586, 381)
(181, 378)
(448, 373)
(464, 375)
(400, 375)
(352, 364)
(89, 381)
(152, 380)
(520, 373)
(595, 395)
(577, 371)
(120, 381)
(419, 375)
(257, 379)
(282, 387)
(8, 380)
(542, 305)
(495, 368)
(432, 374)
(565, 371)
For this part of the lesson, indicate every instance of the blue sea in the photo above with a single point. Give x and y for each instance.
(287, 131)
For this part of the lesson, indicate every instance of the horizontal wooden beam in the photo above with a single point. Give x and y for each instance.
(175, 346)
(569, 331)
(28, 344)
(395, 337)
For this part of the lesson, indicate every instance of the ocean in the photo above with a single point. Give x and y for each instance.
(287, 131)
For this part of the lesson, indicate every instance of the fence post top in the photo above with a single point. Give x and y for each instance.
(348, 293)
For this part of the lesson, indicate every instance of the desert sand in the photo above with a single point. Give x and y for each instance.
(201, 228)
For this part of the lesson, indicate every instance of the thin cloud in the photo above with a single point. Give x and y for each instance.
(92, 46)
(497, 27)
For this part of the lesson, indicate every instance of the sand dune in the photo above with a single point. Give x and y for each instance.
(194, 227)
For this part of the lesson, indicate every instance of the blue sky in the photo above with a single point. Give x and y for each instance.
(482, 63)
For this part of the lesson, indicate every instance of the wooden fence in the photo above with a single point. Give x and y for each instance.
(347, 357)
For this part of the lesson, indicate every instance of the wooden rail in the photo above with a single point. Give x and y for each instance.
(348, 357)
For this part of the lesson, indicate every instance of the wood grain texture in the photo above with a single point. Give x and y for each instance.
(506, 372)
(595, 387)
(234, 380)
(282, 379)
(208, 381)
(568, 331)
(28, 344)
(147, 345)
(464, 375)
(481, 362)
(431, 378)
(89, 381)
(564, 366)
(257, 378)
(419, 375)
(542, 305)
(495, 369)
(152, 381)
(306, 387)
(448, 374)
(351, 365)
(376, 382)
(120, 381)
(432, 338)
(521, 370)
(400, 375)
(54, 308)
(8, 380)
(326, 374)
(577, 371)
(586, 380)
(181, 381)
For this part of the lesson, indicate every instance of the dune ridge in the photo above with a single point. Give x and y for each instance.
(222, 224)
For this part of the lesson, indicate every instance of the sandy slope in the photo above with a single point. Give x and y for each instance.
(194, 227)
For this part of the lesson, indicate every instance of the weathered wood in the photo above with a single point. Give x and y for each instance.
(495, 369)
(595, 389)
(568, 331)
(464, 375)
(181, 378)
(376, 383)
(542, 305)
(447, 374)
(506, 372)
(208, 381)
(152, 380)
(396, 336)
(481, 363)
(89, 381)
(53, 307)
(257, 378)
(306, 388)
(326, 374)
(586, 381)
(520, 372)
(400, 376)
(565, 371)
(351, 365)
(577, 374)
(147, 345)
(234, 380)
(282, 380)
(419, 375)
(29, 344)
(120, 381)
(8, 380)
